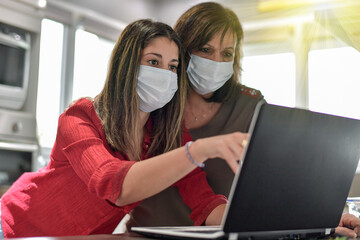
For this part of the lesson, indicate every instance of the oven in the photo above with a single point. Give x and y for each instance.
(14, 66)
(18, 146)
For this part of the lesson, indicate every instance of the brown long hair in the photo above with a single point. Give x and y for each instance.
(198, 25)
(118, 103)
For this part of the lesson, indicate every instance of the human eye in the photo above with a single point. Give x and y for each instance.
(173, 68)
(204, 50)
(228, 54)
(153, 62)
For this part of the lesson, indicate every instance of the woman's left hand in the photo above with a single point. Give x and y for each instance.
(349, 225)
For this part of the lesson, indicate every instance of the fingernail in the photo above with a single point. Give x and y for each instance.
(244, 143)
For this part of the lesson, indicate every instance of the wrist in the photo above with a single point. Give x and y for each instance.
(192, 154)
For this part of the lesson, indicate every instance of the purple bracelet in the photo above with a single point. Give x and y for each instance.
(187, 145)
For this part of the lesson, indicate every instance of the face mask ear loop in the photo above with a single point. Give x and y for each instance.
(187, 56)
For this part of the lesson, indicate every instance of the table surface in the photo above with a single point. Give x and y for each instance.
(124, 236)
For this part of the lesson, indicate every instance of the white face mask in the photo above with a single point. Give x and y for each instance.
(155, 87)
(208, 76)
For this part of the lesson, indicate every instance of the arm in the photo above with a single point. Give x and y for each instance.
(110, 176)
(216, 215)
(147, 178)
(200, 198)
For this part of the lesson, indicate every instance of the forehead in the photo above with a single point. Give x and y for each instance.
(228, 39)
(161, 45)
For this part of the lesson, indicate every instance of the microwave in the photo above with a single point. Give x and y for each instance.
(14, 66)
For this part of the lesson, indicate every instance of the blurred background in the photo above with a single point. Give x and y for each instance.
(302, 53)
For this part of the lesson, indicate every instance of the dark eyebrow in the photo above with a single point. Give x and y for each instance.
(160, 56)
(156, 54)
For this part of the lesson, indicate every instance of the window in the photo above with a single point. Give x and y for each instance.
(48, 96)
(90, 67)
(334, 81)
(92, 55)
(273, 75)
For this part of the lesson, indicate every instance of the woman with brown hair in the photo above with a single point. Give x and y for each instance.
(96, 172)
(217, 103)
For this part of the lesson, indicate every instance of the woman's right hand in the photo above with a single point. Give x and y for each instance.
(228, 147)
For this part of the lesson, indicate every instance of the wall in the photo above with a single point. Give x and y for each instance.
(355, 188)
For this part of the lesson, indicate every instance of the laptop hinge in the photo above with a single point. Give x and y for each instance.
(233, 236)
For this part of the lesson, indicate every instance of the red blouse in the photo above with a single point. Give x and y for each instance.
(75, 193)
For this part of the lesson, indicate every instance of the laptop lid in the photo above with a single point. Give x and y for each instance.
(295, 177)
(296, 173)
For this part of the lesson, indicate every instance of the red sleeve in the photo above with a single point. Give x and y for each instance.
(196, 192)
(84, 145)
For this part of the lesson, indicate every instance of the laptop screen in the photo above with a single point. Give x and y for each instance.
(295, 177)
(297, 171)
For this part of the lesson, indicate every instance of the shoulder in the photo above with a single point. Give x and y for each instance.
(245, 102)
(252, 92)
(79, 122)
(81, 111)
(81, 106)
(83, 103)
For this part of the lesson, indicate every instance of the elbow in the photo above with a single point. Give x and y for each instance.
(129, 192)
(124, 199)
(121, 202)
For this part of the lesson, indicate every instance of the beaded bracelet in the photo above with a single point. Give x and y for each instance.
(187, 145)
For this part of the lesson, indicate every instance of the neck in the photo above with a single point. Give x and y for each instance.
(139, 135)
(199, 112)
(196, 99)
(144, 116)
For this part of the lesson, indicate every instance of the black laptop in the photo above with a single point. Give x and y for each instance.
(295, 177)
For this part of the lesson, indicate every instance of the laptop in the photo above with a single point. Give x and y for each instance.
(296, 173)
